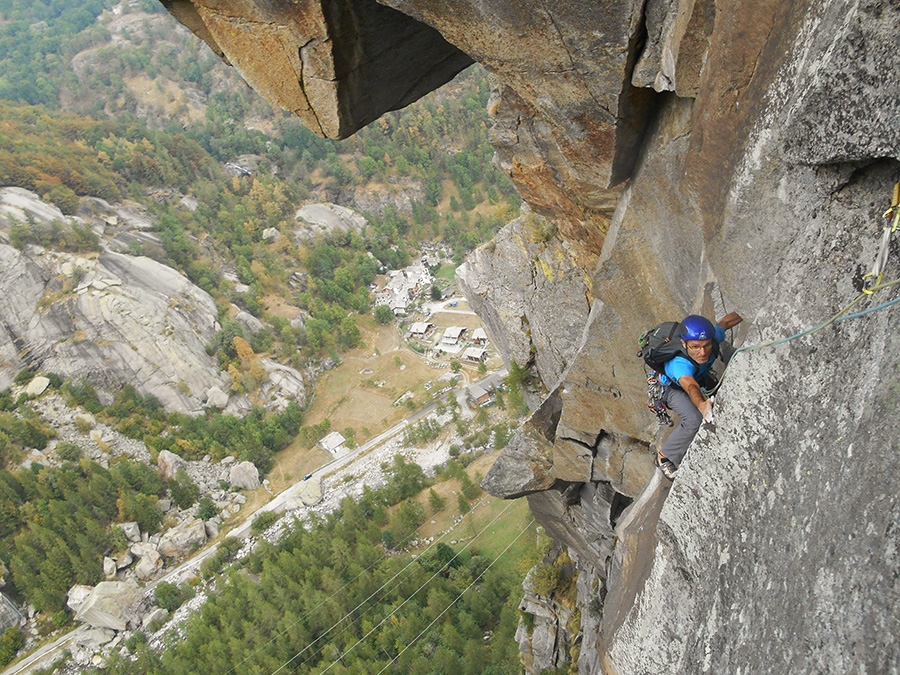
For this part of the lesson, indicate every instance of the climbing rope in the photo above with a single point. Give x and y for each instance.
(875, 284)
(837, 318)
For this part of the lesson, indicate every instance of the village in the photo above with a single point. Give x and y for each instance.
(436, 325)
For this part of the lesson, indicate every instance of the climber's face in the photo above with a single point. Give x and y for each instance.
(698, 350)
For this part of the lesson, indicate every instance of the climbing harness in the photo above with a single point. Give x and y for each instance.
(881, 259)
(655, 391)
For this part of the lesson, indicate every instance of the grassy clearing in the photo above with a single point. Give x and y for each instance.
(447, 272)
(359, 394)
(516, 515)
(446, 319)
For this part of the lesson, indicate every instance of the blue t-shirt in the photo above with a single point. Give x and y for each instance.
(681, 366)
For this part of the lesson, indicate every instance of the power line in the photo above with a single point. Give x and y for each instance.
(341, 590)
(406, 600)
(378, 590)
(447, 608)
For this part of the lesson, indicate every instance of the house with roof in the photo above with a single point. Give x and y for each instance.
(475, 354)
(333, 443)
(479, 337)
(494, 380)
(421, 329)
(452, 335)
(478, 395)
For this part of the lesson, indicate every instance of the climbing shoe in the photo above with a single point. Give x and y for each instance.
(666, 466)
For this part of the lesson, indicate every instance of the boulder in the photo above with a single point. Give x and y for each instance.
(216, 398)
(132, 531)
(77, 595)
(244, 475)
(156, 615)
(250, 323)
(123, 560)
(181, 540)
(271, 234)
(111, 604)
(149, 564)
(310, 492)
(109, 567)
(169, 463)
(37, 386)
(86, 419)
(212, 528)
(284, 386)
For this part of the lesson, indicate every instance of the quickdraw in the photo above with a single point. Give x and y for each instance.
(873, 279)
(654, 401)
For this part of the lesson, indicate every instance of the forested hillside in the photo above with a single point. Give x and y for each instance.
(436, 150)
(120, 103)
(327, 598)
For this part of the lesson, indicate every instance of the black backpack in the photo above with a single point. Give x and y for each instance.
(661, 344)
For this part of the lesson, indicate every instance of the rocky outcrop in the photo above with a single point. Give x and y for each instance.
(698, 157)
(326, 220)
(147, 324)
(319, 60)
(114, 319)
(530, 290)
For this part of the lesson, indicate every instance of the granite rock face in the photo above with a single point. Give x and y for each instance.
(115, 319)
(320, 60)
(698, 157)
(147, 324)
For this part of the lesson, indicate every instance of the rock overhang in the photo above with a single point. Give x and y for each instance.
(336, 65)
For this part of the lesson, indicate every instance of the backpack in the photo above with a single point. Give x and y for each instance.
(661, 344)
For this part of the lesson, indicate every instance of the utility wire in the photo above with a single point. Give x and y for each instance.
(396, 609)
(341, 590)
(349, 625)
(447, 608)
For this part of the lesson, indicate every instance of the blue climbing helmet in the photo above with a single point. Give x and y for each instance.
(697, 327)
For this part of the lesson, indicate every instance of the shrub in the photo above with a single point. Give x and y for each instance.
(168, 596)
(263, 521)
(23, 376)
(207, 508)
(68, 452)
(463, 504)
(184, 491)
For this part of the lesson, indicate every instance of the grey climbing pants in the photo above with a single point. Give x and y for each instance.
(677, 443)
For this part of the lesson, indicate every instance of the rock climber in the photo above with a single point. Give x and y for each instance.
(682, 380)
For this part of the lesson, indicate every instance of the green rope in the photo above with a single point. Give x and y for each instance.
(837, 318)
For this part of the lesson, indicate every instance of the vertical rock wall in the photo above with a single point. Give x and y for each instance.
(699, 156)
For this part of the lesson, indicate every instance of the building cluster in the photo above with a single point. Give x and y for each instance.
(404, 285)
